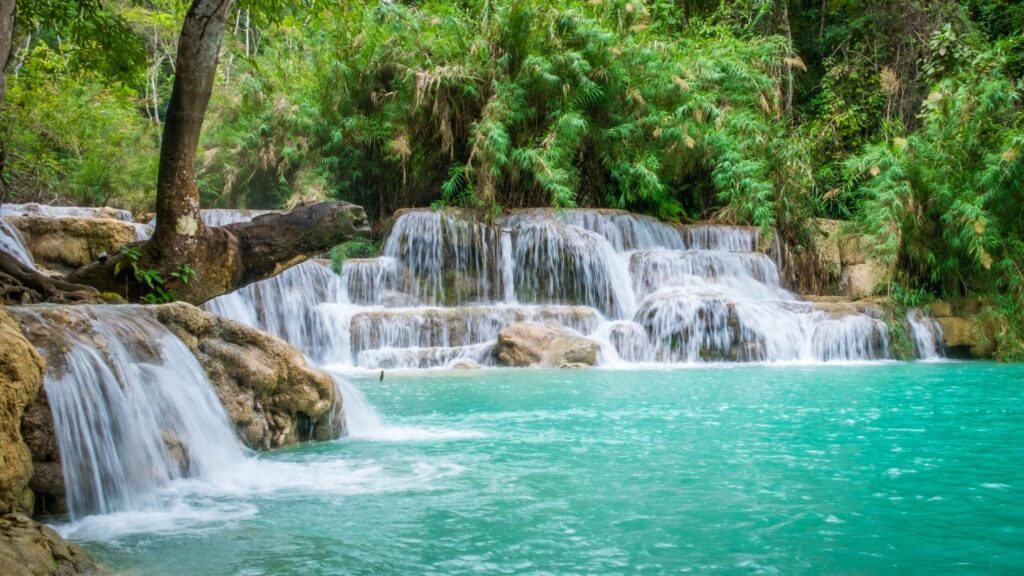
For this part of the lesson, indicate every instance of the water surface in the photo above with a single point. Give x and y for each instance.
(849, 469)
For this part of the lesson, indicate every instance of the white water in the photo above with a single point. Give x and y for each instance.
(644, 290)
(123, 390)
(12, 243)
(116, 395)
(926, 333)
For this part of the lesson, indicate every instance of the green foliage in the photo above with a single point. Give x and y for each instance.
(903, 116)
(158, 293)
(72, 138)
(504, 104)
(358, 248)
(943, 205)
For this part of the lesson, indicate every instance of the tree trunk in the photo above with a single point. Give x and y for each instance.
(236, 255)
(6, 42)
(179, 229)
(7, 9)
(220, 259)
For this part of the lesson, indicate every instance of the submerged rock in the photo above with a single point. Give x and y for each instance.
(466, 364)
(546, 346)
(28, 548)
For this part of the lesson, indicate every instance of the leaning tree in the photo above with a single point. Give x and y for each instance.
(219, 259)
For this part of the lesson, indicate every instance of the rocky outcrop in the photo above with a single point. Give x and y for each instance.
(840, 306)
(269, 391)
(544, 345)
(963, 332)
(64, 244)
(837, 262)
(28, 548)
(861, 273)
(21, 378)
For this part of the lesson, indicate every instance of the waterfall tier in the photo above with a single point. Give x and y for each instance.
(646, 291)
(12, 243)
(132, 408)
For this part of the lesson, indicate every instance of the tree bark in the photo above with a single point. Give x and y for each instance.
(7, 10)
(180, 230)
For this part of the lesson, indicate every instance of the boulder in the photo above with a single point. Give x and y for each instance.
(544, 345)
(455, 327)
(269, 391)
(963, 333)
(28, 548)
(64, 244)
(21, 378)
(466, 364)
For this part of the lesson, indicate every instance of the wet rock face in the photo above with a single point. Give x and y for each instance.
(268, 390)
(64, 244)
(546, 346)
(963, 333)
(21, 379)
(28, 548)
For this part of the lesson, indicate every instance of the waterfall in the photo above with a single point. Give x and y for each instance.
(926, 333)
(12, 243)
(446, 285)
(132, 408)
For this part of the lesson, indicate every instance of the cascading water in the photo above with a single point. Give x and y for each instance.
(646, 291)
(926, 333)
(12, 243)
(132, 408)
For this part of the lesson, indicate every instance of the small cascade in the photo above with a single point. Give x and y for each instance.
(426, 337)
(374, 281)
(450, 260)
(132, 408)
(927, 335)
(508, 267)
(646, 291)
(12, 243)
(565, 264)
(290, 306)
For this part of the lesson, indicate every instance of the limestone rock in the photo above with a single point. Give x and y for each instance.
(861, 280)
(466, 364)
(269, 391)
(21, 378)
(544, 345)
(64, 244)
(853, 249)
(28, 548)
(962, 331)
